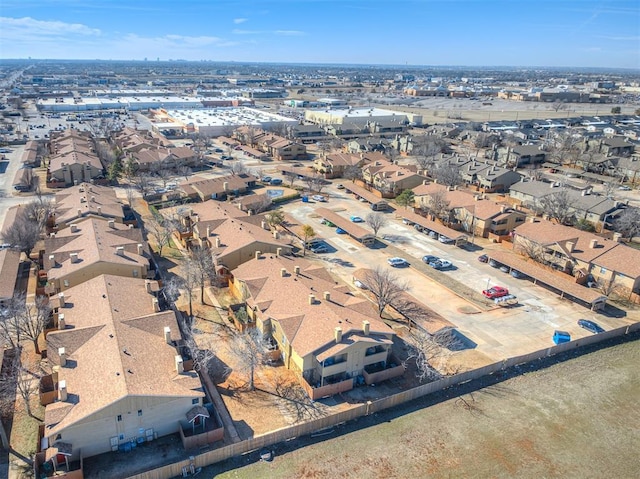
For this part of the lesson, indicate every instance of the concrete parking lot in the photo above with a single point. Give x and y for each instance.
(497, 334)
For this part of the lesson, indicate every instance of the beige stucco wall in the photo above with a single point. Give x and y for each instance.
(92, 434)
(91, 271)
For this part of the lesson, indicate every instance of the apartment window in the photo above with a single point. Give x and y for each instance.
(135, 273)
(66, 283)
(119, 417)
(603, 270)
(195, 401)
(121, 437)
(139, 412)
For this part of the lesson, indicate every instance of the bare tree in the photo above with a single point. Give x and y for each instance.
(298, 403)
(315, 182)
(39, 210)
(429, 351)
(185, 171)
(248, 349)
(438, 205)
(353, 173)
(31, 318)
(262, 205)
(199, 346)
(238, 168)
(164, 175)
(188, 280)
(628, 224)
(447, 174)
(160, 229)
(10, 330)
(22, 234)
(376, 222)
(143, 182)
(531, 249)
(558, 206)
(24, 379)
(201, 261)
(385, 286)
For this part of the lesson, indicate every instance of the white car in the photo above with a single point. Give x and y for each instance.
(397, 262)
(319, 198)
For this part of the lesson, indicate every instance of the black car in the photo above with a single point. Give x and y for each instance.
(591, 326)
(429, 258)
(483, 258)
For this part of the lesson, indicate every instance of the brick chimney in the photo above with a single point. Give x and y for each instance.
(327, 296)
(167, 334)
(111, 223)
(73, 228)
(217, 241)
(61, 322)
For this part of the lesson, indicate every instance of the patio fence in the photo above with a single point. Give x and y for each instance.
(287, 433)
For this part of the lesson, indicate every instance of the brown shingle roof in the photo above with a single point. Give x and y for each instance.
(308, 327)
(117, 350)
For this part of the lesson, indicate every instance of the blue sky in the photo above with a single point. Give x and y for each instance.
(573, 33)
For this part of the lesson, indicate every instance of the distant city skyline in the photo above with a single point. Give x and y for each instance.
(549, 33)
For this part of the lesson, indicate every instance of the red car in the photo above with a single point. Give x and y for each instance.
(495, 292)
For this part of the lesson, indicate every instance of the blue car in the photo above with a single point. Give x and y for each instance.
(591, 326)
(276, 181)
(340, 231)
(356, 219)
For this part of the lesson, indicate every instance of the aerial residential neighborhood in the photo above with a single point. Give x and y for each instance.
(230, 267)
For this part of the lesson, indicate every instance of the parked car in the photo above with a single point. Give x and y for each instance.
(276, 181)
(319, 198)
(340, 231)
(340, 186)
(504, 269)
(494, 264)
(624, 188)
(429, 258)
(445, 239)
(356, 219)
(327, 223)
(397, 262)
(441, 264)
(360, 284)
(591, 326)
(517, 274)
(319, 248)
(495, 292)
(483, 258)
(265, 179)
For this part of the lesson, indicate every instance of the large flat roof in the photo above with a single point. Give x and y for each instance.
(224, 116)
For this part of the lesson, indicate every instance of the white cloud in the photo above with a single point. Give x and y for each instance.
(238, 21)
(19, 28)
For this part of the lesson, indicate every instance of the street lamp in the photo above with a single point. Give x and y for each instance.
(488, 281)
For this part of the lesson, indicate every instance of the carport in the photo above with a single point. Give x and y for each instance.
(592, 298)
(435, 226)
(377, 203)
(356, 232)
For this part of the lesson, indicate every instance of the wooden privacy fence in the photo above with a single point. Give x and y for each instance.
(284, 434)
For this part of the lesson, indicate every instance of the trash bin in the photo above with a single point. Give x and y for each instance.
(560, 337)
